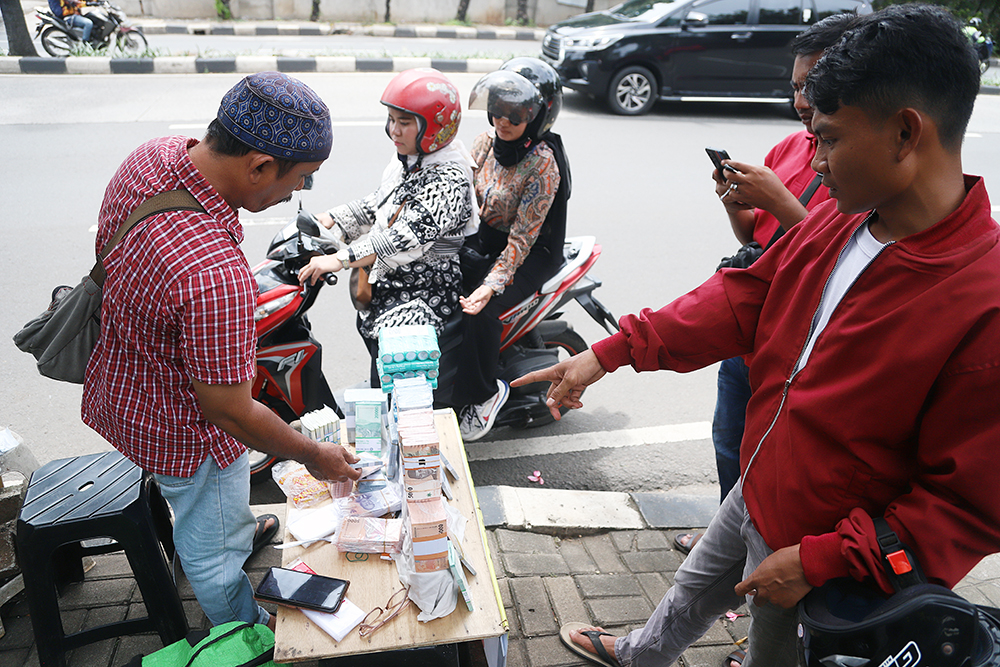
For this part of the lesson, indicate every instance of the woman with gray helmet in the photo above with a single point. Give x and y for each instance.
(522, 184)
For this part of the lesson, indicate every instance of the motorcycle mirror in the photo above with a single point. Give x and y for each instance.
(307, 224)
(307, 182)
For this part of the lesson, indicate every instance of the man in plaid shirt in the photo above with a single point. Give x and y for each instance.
(169, 382)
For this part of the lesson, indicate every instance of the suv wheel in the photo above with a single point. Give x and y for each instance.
(632, 91)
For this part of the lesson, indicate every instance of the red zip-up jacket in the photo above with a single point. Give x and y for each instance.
(896, 413)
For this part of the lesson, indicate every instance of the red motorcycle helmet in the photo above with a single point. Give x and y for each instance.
(433, 99)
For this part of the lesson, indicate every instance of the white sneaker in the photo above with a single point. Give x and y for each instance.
(477, 420)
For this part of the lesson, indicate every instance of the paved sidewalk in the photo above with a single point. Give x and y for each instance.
(591, 572)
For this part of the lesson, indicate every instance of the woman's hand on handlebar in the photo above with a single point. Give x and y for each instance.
(477, 300)
(318, 266)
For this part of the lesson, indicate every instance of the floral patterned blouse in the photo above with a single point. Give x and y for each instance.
(514, 200)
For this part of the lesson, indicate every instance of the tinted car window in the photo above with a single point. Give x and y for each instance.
(826, 8)
(725, 12)
(780, 12)
(643, 10)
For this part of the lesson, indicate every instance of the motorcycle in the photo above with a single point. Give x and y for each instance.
(290, 379)
(110, 26)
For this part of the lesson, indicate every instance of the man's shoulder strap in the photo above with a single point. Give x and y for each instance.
(173, 200)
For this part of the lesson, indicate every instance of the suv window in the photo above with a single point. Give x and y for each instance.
(780, 12)
(725, 12)
(825, 8)
(643, 10)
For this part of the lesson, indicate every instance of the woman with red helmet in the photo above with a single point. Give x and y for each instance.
(522, 184)
(407, 233)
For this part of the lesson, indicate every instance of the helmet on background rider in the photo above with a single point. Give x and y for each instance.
(847, 624)
(428, 95)
(523, 89)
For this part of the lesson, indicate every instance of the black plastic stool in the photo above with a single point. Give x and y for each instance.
(84, 499)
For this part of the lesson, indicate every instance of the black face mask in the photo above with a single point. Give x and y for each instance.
(509, 153)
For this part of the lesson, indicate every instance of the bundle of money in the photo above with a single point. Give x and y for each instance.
(374, 503)
(428, 526)
(322, 425)
(370, 535)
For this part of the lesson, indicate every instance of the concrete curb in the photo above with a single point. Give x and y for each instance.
(567, 512)
(237, 64)
(163, 27)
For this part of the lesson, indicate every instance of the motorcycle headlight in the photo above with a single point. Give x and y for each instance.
(262, 311)
(590, 43)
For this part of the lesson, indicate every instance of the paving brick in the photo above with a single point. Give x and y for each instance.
(739, 628)
(577, 559)
(646, 540)
(516, 541)
(532, 605)
(654, 585)
(620, 610)
(504, 586)
(516, 654)
(651, 561)
(16, 657)
(494, 549)
(19, 633)
(98, 616)
(526, 565)
(567, 602)
(97, 592)
(110, 565)
(602, 550)
(550, 652)
(607, 585)
(623, 539)
(705, 656)
(133, 645)
(98, 653)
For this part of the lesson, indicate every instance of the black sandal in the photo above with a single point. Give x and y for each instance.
(263, 535)
(602, 658)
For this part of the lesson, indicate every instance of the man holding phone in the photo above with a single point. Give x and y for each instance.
(763, 202)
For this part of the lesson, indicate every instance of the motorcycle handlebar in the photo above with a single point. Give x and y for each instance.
(330, 278)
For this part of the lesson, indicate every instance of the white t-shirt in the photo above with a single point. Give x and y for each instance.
(860, 251)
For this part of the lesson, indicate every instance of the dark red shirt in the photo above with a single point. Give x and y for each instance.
(178, 304)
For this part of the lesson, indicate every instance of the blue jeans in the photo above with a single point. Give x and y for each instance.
(213, 535)
(729, 420)
(703, 591)
(80, 21)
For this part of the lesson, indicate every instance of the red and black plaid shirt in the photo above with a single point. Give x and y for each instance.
(178, 304)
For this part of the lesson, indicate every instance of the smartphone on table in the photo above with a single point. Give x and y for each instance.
(293, 588)
(717, 155)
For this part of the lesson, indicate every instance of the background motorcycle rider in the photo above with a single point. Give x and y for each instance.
(410, 229)
(69, 12)
(522, 184)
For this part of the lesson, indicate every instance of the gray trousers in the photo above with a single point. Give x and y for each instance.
(703, 591)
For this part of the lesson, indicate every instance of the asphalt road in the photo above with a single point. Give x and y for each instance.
(640, 185)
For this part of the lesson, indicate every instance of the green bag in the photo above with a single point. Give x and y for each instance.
(235, 644)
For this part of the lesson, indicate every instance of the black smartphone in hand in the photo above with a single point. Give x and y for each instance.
(717, 155)
(292, 588)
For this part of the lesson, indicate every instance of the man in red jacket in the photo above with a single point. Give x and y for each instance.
(874, 374)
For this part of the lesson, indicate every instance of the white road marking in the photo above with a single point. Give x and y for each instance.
(582, 442)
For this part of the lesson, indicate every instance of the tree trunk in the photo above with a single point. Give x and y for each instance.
(463, 9)
(18, 38)
(590, 6)
(522, 12)
(387, 16)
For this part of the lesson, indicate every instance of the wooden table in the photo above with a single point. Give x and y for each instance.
(374, 580)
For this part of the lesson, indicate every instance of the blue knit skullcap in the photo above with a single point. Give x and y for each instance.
(278, 115)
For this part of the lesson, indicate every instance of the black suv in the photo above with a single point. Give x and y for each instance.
(716, 50)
